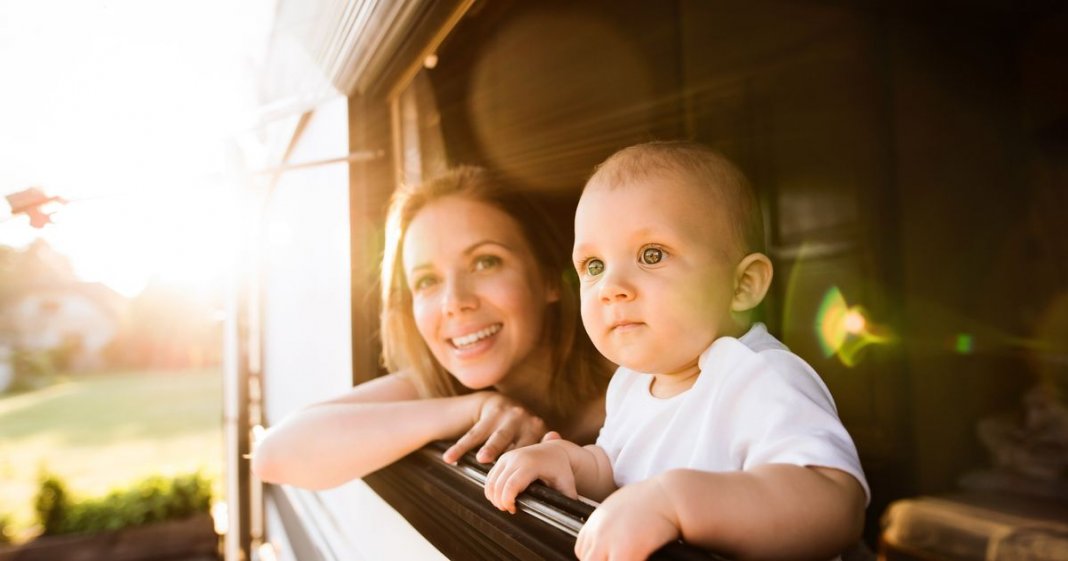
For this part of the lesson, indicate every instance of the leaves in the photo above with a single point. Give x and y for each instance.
(153, 499)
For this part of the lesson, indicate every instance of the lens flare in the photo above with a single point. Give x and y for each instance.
(829, 321)
(844, 330)
(854, 322)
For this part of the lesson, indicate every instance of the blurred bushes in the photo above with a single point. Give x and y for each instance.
(5, 530)
(33, 368)
(153, 499)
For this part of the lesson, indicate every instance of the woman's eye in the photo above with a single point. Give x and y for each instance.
(652, 255)
(487, 262)
(594, 267)
(423, 282)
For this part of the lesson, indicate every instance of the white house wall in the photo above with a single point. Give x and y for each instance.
(45, 319)
(307, 330)
(307, 317)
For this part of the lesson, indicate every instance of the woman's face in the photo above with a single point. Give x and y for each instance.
(478, 296)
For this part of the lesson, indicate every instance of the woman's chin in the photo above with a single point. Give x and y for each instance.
(478, 381)
(477, 376)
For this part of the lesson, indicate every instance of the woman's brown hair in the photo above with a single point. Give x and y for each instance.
(578, 374)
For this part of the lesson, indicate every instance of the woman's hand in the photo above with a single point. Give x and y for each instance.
(501, 424)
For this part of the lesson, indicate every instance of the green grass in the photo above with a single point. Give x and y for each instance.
(104, 431)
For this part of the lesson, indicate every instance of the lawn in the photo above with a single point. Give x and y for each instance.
(106, 430)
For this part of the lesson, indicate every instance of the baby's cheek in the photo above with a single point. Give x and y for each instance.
(594, 328)
(589, 317)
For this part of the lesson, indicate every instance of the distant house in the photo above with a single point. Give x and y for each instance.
(7, 370)
(80, 317)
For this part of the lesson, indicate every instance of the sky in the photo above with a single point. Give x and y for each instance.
(127, 108)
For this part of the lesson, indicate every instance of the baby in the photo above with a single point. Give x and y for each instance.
(715, 432)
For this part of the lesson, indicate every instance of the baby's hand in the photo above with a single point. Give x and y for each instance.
(551, 435)
(517, 469)
(631, 523)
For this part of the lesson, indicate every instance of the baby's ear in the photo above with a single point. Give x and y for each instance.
(752, 277)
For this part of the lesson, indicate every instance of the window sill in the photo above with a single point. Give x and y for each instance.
(446, 505)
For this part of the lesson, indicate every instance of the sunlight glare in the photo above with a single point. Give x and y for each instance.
(184, 238)
(126, 109)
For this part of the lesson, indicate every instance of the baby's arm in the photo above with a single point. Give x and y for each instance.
(563, 465)
(775, 511)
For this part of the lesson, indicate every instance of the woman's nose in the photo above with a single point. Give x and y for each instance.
(615, 287)
(458, 296)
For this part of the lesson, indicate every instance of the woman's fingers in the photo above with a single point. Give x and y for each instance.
(477, 435)
(531, 433)
(498, 443)
(503, 426)
(525, 439)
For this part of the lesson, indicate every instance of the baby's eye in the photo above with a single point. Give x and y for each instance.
(423, 282)
(484, 262)
(651, 255)
(594, 267)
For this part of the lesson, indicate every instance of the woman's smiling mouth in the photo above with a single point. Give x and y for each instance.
(466, 341)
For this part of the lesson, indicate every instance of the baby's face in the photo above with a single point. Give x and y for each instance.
(656, 273)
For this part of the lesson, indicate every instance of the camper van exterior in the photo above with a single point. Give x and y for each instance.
(890, 144)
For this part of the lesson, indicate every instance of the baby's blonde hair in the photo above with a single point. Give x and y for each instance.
(577, 373)
(699, 165)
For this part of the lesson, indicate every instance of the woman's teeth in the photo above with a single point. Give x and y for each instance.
(472, 338)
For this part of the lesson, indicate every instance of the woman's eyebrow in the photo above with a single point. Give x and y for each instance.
(417, 268)
(475, 246)
(466, 251)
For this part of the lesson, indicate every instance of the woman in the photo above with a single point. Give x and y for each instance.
(480, 329)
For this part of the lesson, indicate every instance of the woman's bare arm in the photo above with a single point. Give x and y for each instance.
(369, 427)
(381, 421)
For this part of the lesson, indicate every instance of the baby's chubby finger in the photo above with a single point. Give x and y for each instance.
(510, 488)
(490, 490)
(582, 544)
(551, 435)
(496, 481)
(589, 548)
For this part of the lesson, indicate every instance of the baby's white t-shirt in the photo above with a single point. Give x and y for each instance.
(754, 403)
